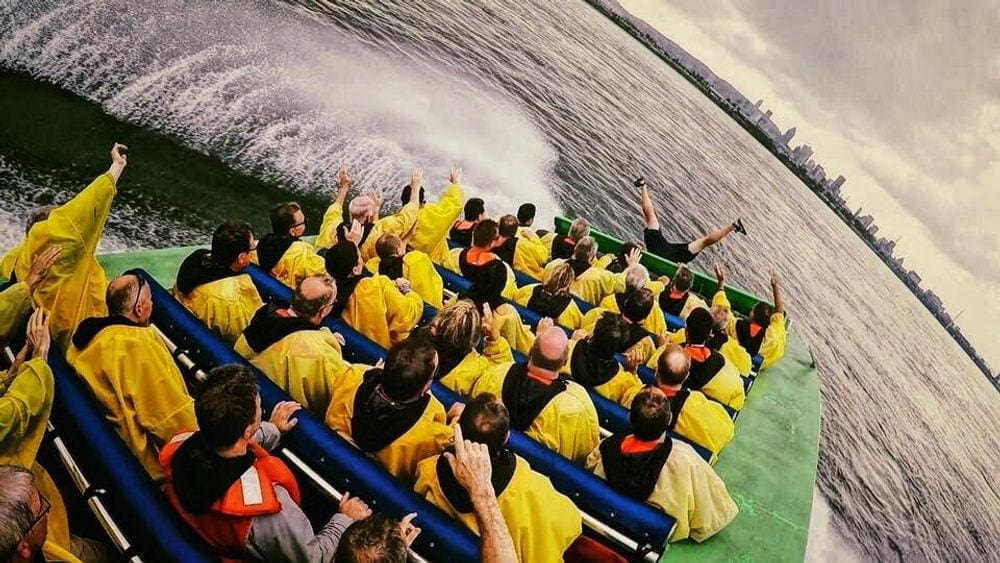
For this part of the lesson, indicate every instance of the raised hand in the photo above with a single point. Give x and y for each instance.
(343, 179)
(455, 176)
(281, 416)
(488, 323)
(408, 530)
(633, 257)
(416, 180)
(118, 156)
(579, 334)
(633, 358)
(774, 280)
(40, 266)
(353, 507)
(39, 337)
(471, 465)
(545, 324)
(354, 235)
(403, 285)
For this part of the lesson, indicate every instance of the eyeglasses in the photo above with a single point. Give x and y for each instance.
(142, 282)
(46, 506)
(297, 225)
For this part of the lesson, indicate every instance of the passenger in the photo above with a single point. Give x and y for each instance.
(480, 264)
(620, 261)
(677, 299)
(593, 282)
(638, 305)
(240, 499)
(554, 411)
(384, 310)
(657, 244)
(720, 340)
(525, 219)
(15, 298)
(637, 277)
(693, 415)
(24, 518)
(391, 414)
(764, 332)
(520, 253)
(592, 360)
(552, 297)
(649, 466)
(394, 262)
(475, 211)
(710, 372)
(281, 253)
(286, 342)
(75, 286)
(456, 331)
(435, 219)
(563, 247)
(378, 539)
(214, 286)
(542, 521)
(131, 372)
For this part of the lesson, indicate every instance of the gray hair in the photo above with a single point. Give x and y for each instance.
(585, 249)
(636, 277)
(16, 517)
(578, 229)
(360, 207)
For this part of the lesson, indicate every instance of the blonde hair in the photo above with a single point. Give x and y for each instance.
(558, 279)
(578, 229)
(361, 207)
(458, 326)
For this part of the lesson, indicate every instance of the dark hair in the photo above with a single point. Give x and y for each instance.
(638, 305)
(226, 404)
(699, 325)
(508, 226)
(649, 415)
(341, 259)
(761, 313)
(375, 539)
(621, 257)
(673, 374)
(386, 245)
(283, 217)
(682, 280)
(408, 194)
(484, 233)
(409, 365)
(474, 208)
(485, 420)
(526, 214)
(229, 240)
(37, 215)
(121, 299)
(610, 334)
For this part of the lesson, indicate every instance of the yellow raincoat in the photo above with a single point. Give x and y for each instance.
(225, 306)
(451, 262)
(705, 423)
(509, 325)
(567, 425)
(463, 377)
(133, 375)
(571, 316)
(25, 404)
(379, 311)
(597, 282)
(542, 521)
(75, 285)
(429, 436)
(530, 257)
(15, 305)
(773, 347)
(434, 220)
(420, 272)
(307, 364)
(298, 263)
(397, 224)
(545, 242)
(621, 388)
(646, 347)
(689, 490)
(654, 321)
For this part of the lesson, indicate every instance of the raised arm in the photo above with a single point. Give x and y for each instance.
(118, 161)
(344, 183)
(776, 292)
(720, 278)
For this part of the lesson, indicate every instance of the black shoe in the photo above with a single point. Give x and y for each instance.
(738, 227)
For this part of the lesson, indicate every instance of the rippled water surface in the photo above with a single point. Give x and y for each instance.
(229, 106)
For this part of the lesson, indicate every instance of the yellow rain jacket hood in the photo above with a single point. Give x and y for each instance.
(222, 299)
(15, 305)
(288, 259)
(463, 376)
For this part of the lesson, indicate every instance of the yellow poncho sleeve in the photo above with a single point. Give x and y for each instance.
(226, 306)
(396, 224)
(516, 333)
(463, 377)
(434, 220)
(333, 216)
(75, 285)
(693, 302)
(15, 304)
(450, 261)
(379, 311)
(705, 423)
(773, 347)
(297, 263)
(530, 257)
(424, 278)
(568, 425)
(25, 405)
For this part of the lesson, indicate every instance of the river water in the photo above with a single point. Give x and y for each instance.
(230, 106)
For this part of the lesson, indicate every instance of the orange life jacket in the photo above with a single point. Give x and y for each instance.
(226, 525)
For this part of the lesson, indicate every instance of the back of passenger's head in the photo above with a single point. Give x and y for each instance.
(508, 226)
(16, 517)
(682, 280)
(720, 317)
(761, 313)
(37, 215)
(283, 217)
(579, 228)
(673, 365)
(457, 326)
(610, 334)
(526, 214)
(485, 420)
(649, 414)
(122, 294)
(550, 350)
(638, 305)
(409, 366)
(636, 277)
(408, 194)
(474, 209)
(341, 259)
(585, 249)
(229, 240)
(558, 279)
(312, 294)
(361, 208)
(375, 539)
(484, 233)
(226, 404)
(388, 245)
(699, 326)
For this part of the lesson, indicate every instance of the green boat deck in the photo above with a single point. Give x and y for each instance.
(769, 467)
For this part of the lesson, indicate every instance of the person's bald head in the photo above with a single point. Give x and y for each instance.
(128, 297)
(314, 297)
(550, 350)
(673, 365)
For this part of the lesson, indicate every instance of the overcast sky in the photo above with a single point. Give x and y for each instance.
(902, 98)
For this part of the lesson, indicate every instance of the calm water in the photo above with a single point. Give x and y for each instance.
(228, 109)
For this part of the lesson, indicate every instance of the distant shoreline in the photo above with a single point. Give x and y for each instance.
(626, 21)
